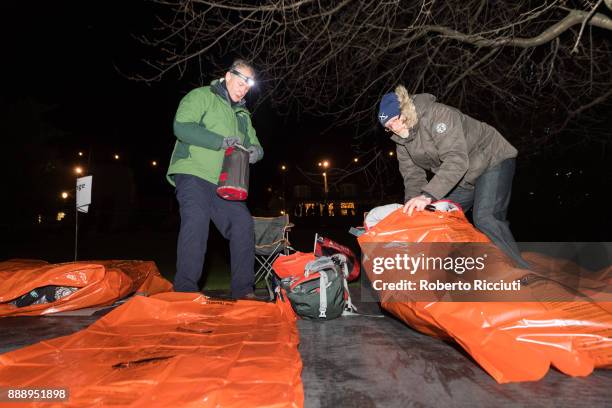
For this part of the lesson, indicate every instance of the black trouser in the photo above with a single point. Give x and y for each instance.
(490, 198)
(199, 204)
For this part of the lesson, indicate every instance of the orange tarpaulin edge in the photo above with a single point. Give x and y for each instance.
(100, 283)
(170, 350)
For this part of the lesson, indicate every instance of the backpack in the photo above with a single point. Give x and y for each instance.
(321, 293)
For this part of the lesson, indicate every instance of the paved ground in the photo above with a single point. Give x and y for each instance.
(375, 362)
(379, 362)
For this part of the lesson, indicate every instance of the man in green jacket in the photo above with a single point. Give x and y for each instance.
(471, 162)
(210, 119)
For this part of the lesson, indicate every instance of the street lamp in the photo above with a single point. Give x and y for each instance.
(284, 171)
(324, 164)
(325, 189)
(116, 157)
(80, 154)
(356, 159)
(153, 163)
(78, 170)
(64, 195)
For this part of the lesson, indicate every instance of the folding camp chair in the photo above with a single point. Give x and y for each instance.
(271, 240)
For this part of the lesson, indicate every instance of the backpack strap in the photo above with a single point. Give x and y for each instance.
(349, 307)
(319, 265)
(323, 294)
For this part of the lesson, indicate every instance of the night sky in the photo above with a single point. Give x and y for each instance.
(74, 59)
(63, 92)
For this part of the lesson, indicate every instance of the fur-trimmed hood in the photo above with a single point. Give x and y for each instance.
(413, 107)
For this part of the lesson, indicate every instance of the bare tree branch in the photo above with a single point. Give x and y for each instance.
(516, 64)
(584, 22)
(589, 105)
(574, 17)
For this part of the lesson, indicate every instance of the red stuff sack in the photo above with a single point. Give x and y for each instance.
(233, 182)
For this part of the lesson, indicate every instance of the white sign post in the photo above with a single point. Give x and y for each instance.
(83, 200)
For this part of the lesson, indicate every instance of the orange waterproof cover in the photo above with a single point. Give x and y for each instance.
(292, 265)
(512, 341)
(100, 282)
(170, 350)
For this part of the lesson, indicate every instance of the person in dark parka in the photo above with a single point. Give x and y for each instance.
(472, 163)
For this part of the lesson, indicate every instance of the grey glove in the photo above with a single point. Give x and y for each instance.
(255, 153)
(230, 141)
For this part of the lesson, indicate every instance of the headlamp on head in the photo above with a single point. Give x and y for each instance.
(248, 80)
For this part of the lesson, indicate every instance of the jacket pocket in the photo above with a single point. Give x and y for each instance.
(181, 151)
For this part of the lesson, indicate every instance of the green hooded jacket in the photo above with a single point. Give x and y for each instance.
(206, 116)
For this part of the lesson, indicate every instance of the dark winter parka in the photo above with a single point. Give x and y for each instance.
(456, 148)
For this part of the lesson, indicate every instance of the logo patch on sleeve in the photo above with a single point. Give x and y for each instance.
(441, 127)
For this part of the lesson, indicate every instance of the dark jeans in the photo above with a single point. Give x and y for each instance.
(199, 204)
(490, 199)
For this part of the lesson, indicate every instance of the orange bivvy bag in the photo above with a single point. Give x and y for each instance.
(82, 284)
(513, 340)
(170, 350)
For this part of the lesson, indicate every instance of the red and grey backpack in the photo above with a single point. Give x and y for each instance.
(321, 293)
